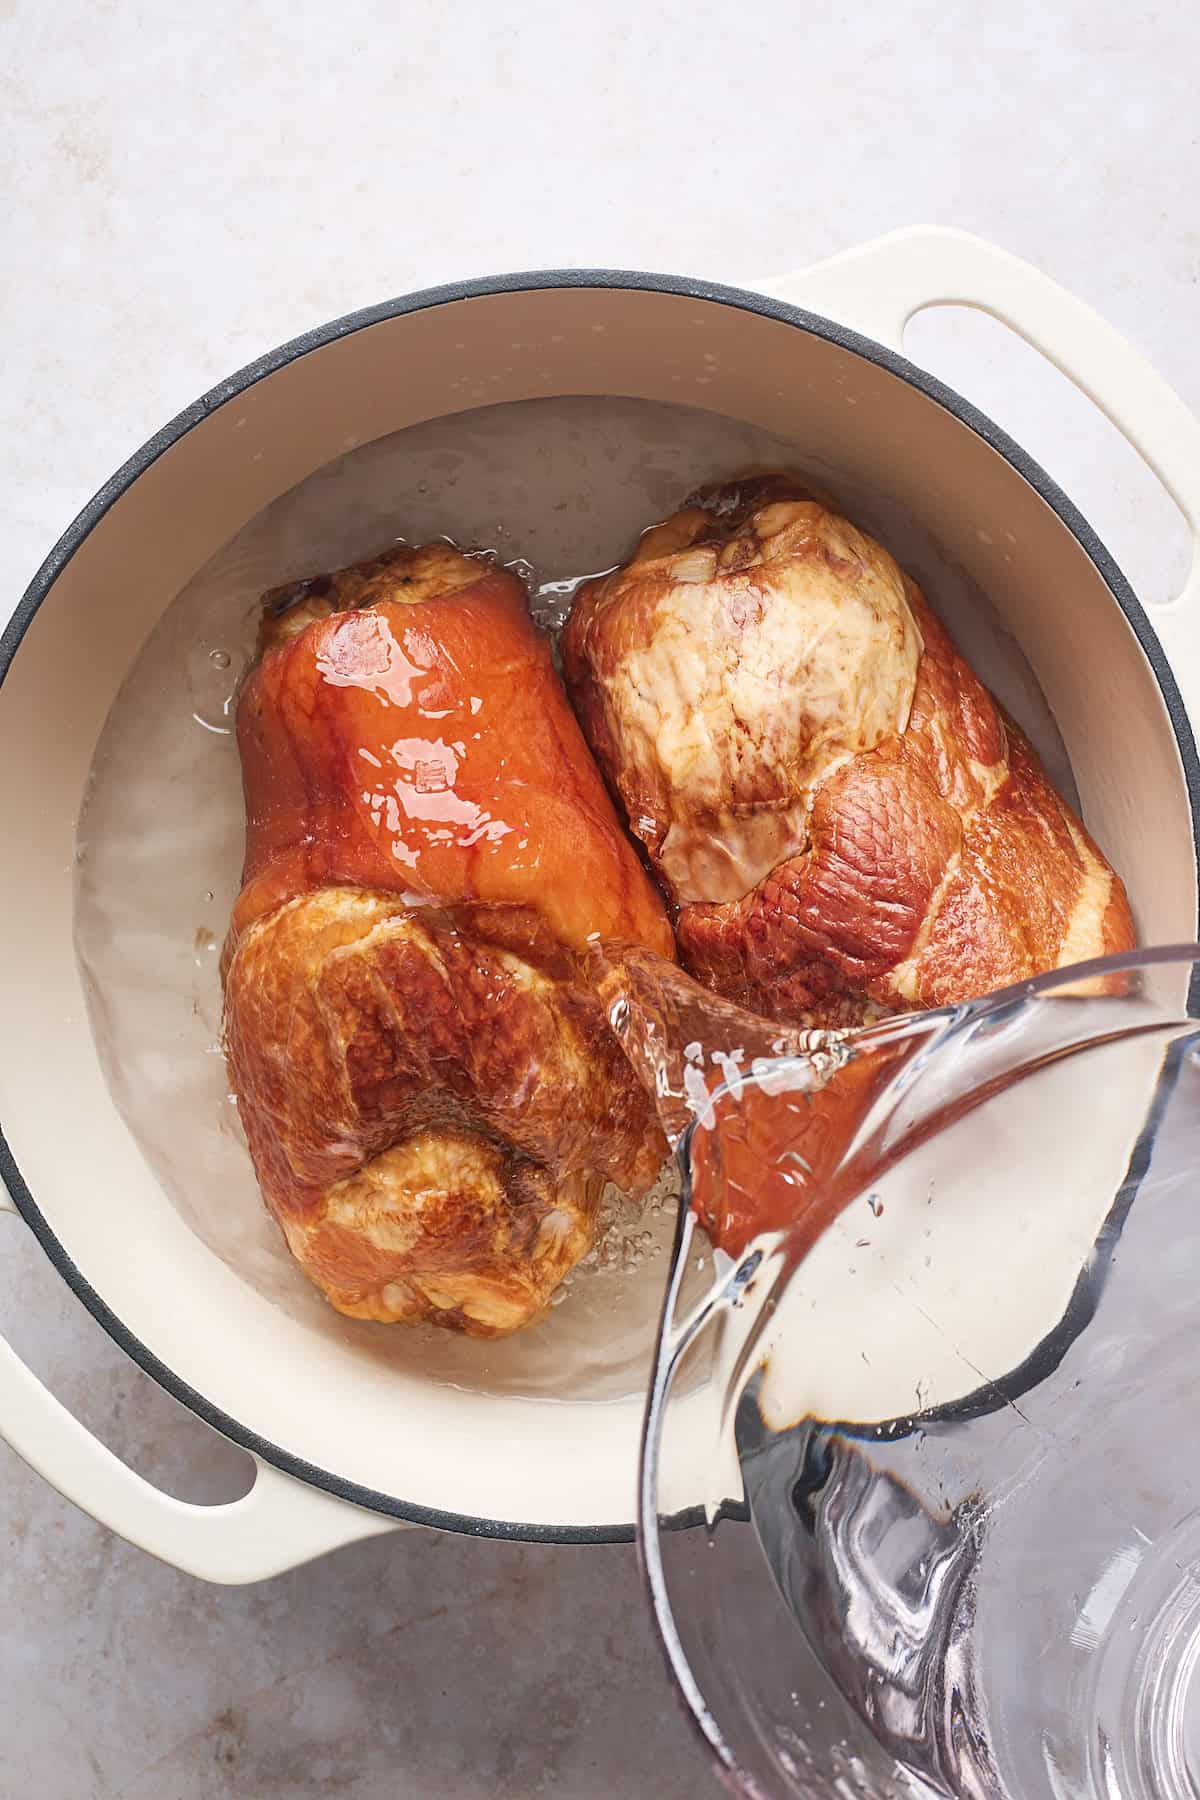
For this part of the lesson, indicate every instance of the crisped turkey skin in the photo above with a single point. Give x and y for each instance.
(430, 1115)
(844, 819)
(429, 1088)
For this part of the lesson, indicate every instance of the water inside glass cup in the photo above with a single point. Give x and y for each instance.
(921, 1480)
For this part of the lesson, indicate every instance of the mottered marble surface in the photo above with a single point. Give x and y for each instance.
(188, 186)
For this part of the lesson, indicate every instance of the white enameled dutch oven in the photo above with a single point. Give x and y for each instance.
(347, 1444)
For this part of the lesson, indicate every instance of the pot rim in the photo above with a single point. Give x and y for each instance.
(318, 338)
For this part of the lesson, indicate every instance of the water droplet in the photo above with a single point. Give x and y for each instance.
(220, 659)
(208, 894)
(875, 1204)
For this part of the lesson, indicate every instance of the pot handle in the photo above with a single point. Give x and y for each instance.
(279, 1524)
(878, 287)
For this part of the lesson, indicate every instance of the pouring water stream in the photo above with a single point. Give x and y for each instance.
(915, 1227)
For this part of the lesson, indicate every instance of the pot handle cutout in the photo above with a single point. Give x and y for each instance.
(278, 1525)
(878, 287)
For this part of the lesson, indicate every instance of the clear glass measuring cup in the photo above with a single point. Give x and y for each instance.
(920, 1501)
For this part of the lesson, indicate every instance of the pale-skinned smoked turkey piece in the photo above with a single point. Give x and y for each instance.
(430, 1091)
(844, 819)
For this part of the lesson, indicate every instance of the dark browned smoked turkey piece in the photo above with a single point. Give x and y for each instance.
(431, 1094)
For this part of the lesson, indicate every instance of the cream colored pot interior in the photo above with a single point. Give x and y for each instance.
(291, 1376)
